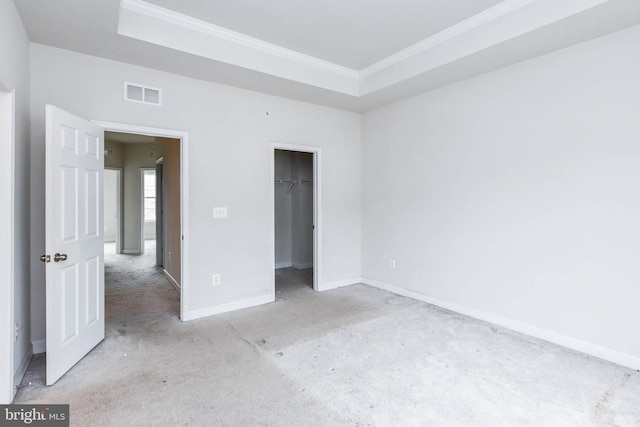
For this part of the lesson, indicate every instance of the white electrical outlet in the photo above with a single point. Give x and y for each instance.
(392, 264)
(216, 279)
(220, 212)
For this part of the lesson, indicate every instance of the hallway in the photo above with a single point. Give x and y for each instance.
(134, 285)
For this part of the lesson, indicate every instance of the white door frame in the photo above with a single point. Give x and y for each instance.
(317, 210)
(7, 192)
(119, 206)
(184, 195)
(142, 224)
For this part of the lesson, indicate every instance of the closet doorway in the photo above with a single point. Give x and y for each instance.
(295, 204)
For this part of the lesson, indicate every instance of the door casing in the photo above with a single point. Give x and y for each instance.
(7, 193)
(160, 212)
(118, 172)
(142, 221)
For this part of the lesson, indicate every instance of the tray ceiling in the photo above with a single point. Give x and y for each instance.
(355, 55)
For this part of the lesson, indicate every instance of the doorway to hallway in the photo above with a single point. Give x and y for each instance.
(142, 208)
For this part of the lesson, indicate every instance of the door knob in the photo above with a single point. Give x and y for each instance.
(60, 257)
(45, 258)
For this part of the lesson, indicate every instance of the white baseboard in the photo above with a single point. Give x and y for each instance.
(296, 265)
(232, 306)
(339, 283)
(614, 356)
(302, 265)
(22, 369)
(39, 346)
(285, 264)
(131, 252)
(171, 280)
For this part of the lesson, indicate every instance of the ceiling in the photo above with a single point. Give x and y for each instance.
(355, 54)
(351, 33)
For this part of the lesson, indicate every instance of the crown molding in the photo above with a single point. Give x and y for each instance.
(225, 34)
(447, 34)
(507, 20)
(170, 16)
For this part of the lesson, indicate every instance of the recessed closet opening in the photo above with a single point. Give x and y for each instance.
(294, 209)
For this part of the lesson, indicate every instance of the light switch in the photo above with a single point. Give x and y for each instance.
(220, 212)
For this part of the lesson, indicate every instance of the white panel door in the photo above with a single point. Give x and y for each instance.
(74, 239)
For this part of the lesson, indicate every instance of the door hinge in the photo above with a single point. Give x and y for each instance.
(45, 258)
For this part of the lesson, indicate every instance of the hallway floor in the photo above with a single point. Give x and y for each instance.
(355, 356)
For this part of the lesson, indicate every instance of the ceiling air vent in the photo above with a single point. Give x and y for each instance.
(144, 94)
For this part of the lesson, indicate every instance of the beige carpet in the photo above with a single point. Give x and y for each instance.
(355, 356)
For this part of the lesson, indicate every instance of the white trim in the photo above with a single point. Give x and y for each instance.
(170, 16)
(131, 252)
(160, 204)
(340, 283)
(39, 346)
(7, 226)
(22, 369)
(317, 209)
(232, 306)
(152, 24)
(119, 225)
(171, 280)
(222, 33)
(285, 264)
(184, 196)
(508, 19)
(301, 265)
(447, 34)
(614, 356)
(142, 221)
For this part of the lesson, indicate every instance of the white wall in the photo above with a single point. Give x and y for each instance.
(14, 76)
(111, 212)
(516, 194)
(283, 208)
(302, 211)
(115, 158)
(229, 164)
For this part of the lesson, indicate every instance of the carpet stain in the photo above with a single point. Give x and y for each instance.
(602, 411)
